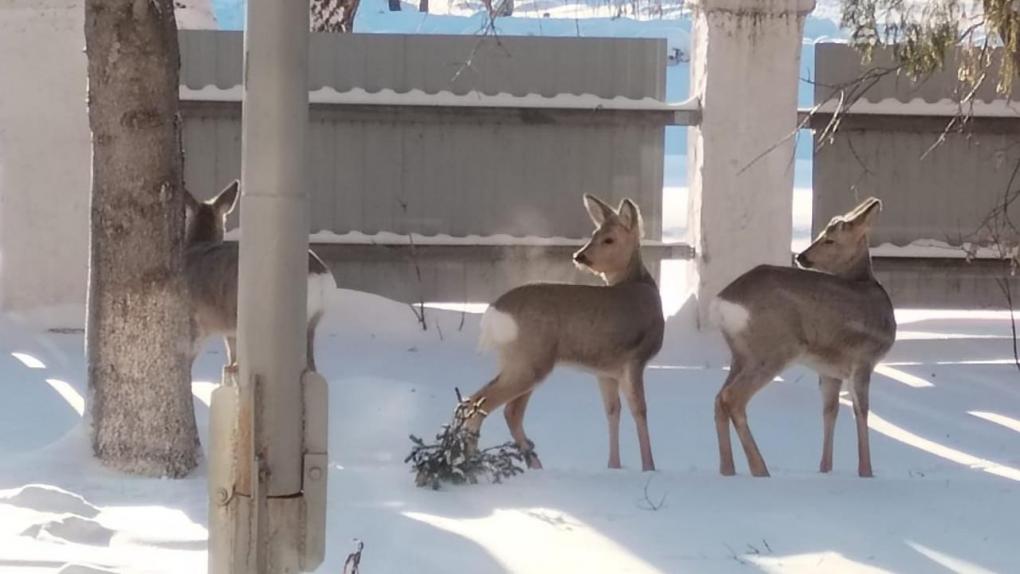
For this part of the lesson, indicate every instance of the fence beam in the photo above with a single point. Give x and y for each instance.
(744, 70)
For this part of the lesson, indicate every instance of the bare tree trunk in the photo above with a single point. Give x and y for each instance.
(394, 5)
(138, 321)
(423, 5)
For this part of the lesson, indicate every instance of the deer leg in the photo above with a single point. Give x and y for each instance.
(860, 384)
(722, 422)
(514, 414)
(633, 384)
(722, 429)
(735, 398)
(509, 384)
(830, 408)
(611, 400)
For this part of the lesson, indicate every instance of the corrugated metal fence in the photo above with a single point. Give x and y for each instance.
(939, 184)
(431, 161)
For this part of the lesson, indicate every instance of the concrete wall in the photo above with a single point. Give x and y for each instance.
(44, 155)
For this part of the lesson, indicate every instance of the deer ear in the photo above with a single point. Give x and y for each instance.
(598, 210)
(864, 214)
(190, 203)
(630, 216)
(227, 199)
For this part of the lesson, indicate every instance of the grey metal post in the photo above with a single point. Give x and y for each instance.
(268, 424)
(272, 288)
(258, 513)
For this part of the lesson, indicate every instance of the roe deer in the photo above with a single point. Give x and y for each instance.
(211, 270)
(836, 319)
(611, 330)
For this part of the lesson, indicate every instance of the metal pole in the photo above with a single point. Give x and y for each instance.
(272, 286)
(267, 478)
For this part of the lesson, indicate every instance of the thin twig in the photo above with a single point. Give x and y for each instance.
(648, 503)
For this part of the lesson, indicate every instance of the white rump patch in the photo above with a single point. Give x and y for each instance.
(729, 316)
(498, 329)
(319, 287)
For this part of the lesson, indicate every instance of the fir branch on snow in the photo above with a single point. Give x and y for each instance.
(455, 458)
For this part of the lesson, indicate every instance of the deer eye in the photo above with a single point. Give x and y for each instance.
(608, 241)
(828, 241)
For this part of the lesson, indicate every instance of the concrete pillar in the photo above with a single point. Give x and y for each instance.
(44, 160)
(744, 68)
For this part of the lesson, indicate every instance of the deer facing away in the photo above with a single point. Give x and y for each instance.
(612, 331)
(211, 266)
(832, 316)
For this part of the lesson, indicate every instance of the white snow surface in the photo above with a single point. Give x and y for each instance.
(944, 429)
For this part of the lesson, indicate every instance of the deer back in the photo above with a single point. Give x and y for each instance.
(829, 322)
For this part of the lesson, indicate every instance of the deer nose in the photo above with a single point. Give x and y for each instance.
(802, 260)
(580, 257)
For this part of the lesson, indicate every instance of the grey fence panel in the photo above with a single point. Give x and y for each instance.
(838, 64)
(632, 68)
(945, 196)
(942, 192)
(444, 170)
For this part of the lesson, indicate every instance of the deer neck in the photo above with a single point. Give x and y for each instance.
(203, 230)
(860, 268)
(634, 272)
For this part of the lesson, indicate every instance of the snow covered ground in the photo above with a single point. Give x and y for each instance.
(945, 440)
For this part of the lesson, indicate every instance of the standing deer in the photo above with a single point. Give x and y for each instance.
(836, 319)
(611, 330)
(211, 269)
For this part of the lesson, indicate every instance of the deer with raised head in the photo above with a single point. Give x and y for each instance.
(611, 330)
(211, 266)
(831, 315)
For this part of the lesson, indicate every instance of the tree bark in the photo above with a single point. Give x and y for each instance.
(138, 320)
(334, 15)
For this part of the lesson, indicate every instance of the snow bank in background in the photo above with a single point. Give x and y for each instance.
(195, 14)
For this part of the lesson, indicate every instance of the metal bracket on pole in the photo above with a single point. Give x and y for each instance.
(316, 469)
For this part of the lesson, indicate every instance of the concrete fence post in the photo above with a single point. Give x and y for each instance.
(745, 70)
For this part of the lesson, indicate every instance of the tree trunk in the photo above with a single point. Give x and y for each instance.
(138, 321)
(394, 5)
(334, 15)
(423, 5)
